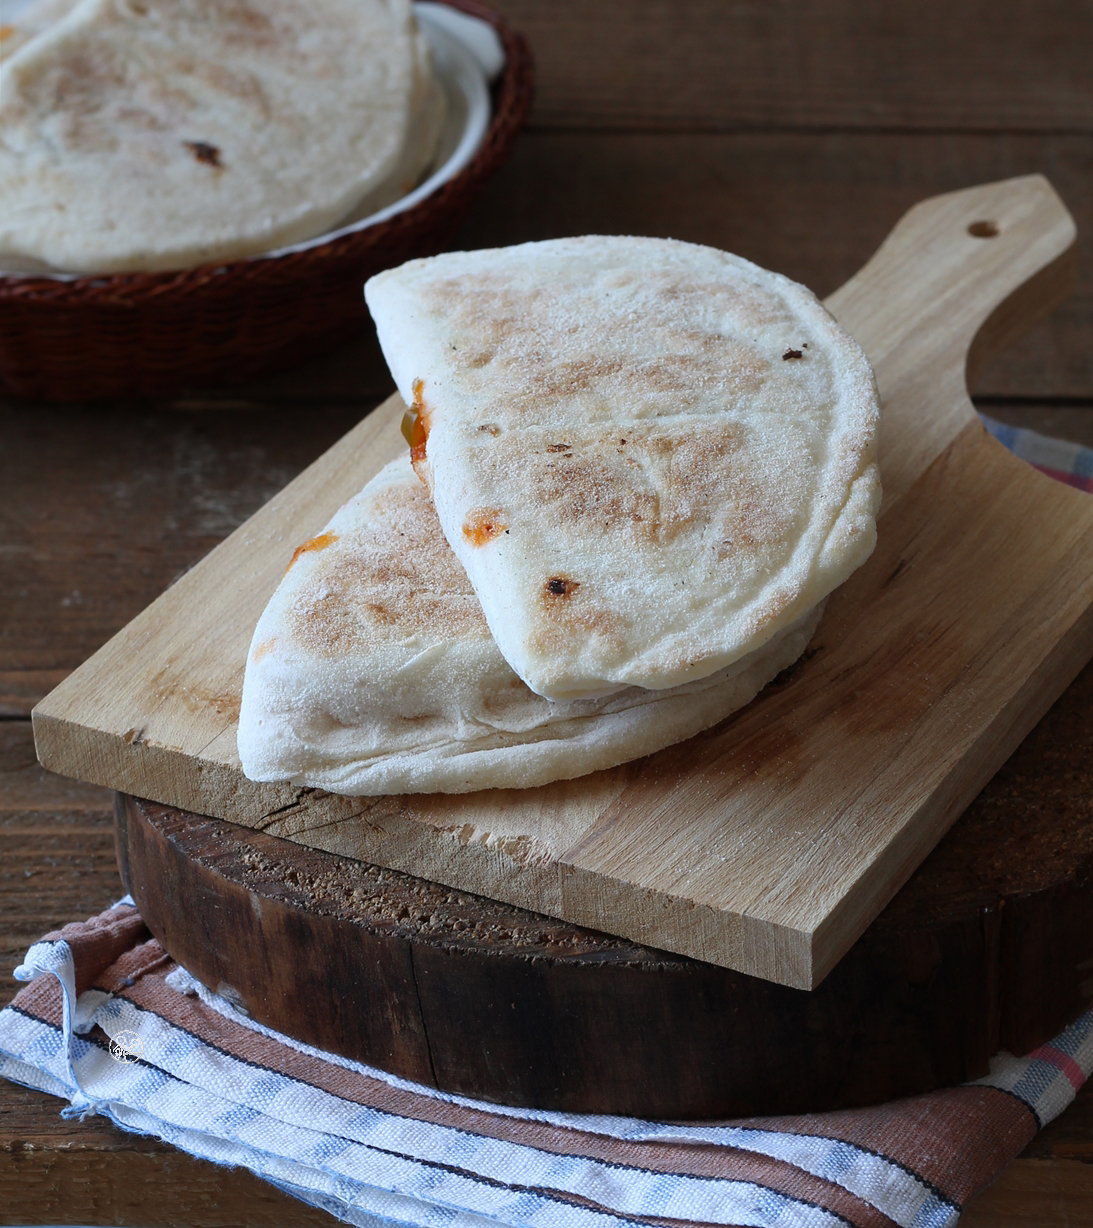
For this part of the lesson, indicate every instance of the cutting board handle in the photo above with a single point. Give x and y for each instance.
(960, 275)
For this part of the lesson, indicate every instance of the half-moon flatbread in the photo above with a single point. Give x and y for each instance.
(372, 671)
(650, 457)
(164, 133)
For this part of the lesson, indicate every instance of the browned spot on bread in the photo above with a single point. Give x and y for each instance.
(791, 354)
(396, 576)
(204, 152)
(558, 447)
(589, 489)
(562, 586)
(560, 599)
(263, 649)
(575, 611)
(482, 525)
(532, 343)
(562, 379)
(711, 478)
(314, 543)
(381, 613)
(490, 428)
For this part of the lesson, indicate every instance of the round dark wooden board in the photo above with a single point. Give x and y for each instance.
(988, 946)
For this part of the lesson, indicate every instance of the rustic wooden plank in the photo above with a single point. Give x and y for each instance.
(154, 713)
(344, 379)
(56, 850)
(818, 64)
(103, 509)
(27, 788)
(1035, 1194)
(89, 1172)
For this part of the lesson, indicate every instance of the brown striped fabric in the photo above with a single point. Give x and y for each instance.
(914, 1162)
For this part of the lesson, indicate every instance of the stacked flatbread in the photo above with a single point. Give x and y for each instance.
(372, 670)
(648, 462)
(157, 134)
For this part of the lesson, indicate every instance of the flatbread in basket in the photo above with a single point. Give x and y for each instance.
(140, 135)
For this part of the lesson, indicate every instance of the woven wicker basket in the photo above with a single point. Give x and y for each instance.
(151, 333)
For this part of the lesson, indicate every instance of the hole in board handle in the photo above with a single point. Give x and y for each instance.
(983, 230)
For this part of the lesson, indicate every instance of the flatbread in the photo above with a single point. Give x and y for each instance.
(372, 671)
(650, 456)
(159, 134)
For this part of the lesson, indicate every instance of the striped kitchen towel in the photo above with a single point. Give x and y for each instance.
(111, 1024)
(1066, 462)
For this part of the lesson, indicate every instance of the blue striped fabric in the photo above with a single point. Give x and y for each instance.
(1068, 462)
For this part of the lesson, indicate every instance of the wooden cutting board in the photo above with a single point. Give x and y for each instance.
(770, 843)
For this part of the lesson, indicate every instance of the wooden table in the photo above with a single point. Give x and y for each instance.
(794, 134)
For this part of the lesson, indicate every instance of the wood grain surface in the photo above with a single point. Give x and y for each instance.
(907, 64)
(104, 506)
(980, 951)
(769, 844)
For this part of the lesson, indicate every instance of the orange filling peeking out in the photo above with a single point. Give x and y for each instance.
(419, 425)
(482, 525)
(314, 543)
